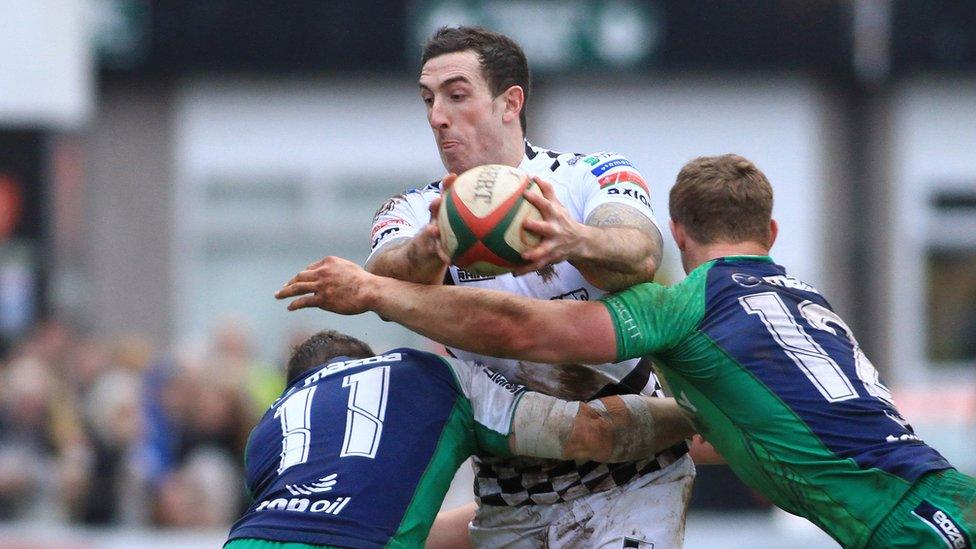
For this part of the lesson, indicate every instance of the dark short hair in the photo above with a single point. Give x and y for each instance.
(321, 348)
(503, 62)
(722, 199)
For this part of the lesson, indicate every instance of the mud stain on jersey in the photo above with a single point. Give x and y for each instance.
(548, 273)
(566, 381)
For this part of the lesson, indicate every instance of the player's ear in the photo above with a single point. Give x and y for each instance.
(514, 98)
(678, 233)
(773, 232)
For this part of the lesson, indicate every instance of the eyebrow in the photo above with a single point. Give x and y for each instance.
(447, 82)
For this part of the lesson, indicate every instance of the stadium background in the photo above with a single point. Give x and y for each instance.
(165, 166)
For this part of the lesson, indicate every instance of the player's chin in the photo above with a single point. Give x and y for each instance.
(455, 161)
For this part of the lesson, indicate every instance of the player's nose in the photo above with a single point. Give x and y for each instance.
(438, 115)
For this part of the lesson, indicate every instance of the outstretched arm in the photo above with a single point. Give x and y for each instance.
(615, 248)
(482, 321)
(610, 429)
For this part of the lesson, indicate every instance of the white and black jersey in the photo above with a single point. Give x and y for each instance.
(582, 183)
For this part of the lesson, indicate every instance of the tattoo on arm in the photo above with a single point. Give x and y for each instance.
(621, 215)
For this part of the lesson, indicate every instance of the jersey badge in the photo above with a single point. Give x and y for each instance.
(624, 177)
(746, 280)
(388, 206)
(601, 169)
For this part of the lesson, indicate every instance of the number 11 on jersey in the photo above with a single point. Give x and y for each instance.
(365, 412)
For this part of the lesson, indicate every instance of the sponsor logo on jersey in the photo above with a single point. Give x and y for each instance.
(579, 294)
(324, 484)
(502, 381)
(384, 234)
(335, 368)
(636, 194)
(305, 505)
(465, 276)
(595, 159)
(626, 176)
(785, 281)
(387, 223)
(943, 525)
(746, 280)
(626, 319)
(607, 166)
(905, 437)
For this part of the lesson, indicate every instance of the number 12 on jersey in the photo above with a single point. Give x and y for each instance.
(365, 412)
(819, 367)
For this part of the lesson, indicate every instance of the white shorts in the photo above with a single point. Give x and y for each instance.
(647, 512)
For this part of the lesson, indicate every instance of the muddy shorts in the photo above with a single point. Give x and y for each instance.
(647, 512)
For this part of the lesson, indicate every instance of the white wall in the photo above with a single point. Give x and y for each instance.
(339, 148)
(660, 125)
(47, 67)
(933, 147)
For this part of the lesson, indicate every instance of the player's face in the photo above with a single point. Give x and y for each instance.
(466, 119)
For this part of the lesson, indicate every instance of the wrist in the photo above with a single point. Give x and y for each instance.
(372, 292)
(584, 250)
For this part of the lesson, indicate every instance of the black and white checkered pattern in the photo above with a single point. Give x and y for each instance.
(527, 481)
(530, 481)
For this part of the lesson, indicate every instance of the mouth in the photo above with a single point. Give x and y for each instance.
(449, 144)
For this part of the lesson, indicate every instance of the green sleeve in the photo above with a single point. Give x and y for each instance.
(651, 318)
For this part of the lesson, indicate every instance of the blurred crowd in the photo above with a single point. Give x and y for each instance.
(98, 431)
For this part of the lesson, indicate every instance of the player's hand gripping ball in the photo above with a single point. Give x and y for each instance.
(480, 219)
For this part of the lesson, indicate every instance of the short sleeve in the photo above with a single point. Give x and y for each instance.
(611, 178)
(401, 216)
(493, 401)
(650, 318)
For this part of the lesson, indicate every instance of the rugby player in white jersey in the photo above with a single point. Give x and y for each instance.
(598, 235)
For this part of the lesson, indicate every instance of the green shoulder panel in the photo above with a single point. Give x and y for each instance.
(651, 318)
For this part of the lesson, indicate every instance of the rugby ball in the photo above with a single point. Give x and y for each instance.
(481, 217)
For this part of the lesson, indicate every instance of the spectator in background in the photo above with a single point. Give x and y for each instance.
(231, 354)
(89, 433)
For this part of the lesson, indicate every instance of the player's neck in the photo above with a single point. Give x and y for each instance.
(514, 150)
(695, 255)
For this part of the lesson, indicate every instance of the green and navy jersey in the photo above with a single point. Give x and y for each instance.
(779, 385)
(360, 453)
